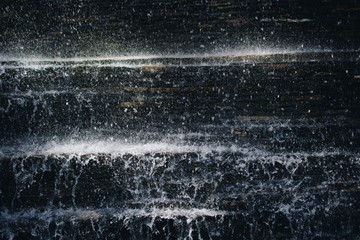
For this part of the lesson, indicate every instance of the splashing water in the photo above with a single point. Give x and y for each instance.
(207, 146)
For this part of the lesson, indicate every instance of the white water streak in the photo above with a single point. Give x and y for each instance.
(134, 61)
(85, 214)
(233, 53)
(290, 20)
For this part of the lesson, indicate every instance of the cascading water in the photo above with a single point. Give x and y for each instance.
(180, 147)
(179, 119)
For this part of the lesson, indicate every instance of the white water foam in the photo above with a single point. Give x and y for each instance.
(171, 146)
(168, 213)
(123, 147)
